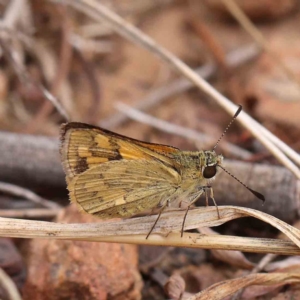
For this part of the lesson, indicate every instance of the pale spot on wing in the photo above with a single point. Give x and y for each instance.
(102, 141)
(83, 151)
(120, 201)
(96, 160)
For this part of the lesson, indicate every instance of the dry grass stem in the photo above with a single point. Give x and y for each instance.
(133, 231)
(90, 45)
(168, 127)
(27, 194)
(17, 12)
(99, 12)
(9, 286)
(60, 70)
(30, 213)
(249, 27)
(158, 95)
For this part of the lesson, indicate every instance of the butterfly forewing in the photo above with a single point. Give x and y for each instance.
(85, 146)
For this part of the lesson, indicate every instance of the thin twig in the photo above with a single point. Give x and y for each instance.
(157, 96)
(204, 33)
(62, 71)
(27, 79)
(179, 130)
(251, 29)
(27, 194)
(92, 115)
(9, 286)
(94, 30)
(17, 14)
(89, 45)
(30, 213)
(99, 12)
(13, 12)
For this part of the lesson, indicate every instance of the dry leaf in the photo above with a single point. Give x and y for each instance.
(227, 288)
(175, 287)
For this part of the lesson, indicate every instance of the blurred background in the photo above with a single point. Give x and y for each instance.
(58, 64)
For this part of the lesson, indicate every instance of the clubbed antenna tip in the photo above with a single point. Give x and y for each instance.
(255, 193)
(232, 120)
(258, 195)
(238, 111)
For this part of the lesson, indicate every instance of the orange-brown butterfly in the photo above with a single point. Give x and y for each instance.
(110, 175)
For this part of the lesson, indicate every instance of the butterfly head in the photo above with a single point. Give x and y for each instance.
(211, 162)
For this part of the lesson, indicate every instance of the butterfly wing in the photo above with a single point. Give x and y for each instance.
(84, 146)
(123, 188)
(110, 175)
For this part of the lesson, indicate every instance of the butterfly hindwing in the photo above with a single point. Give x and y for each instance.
(123, 188)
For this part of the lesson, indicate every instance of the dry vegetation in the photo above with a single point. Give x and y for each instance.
(133, 67)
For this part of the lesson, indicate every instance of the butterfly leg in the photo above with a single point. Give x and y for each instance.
(187, 210)
(206, 197)
(206, 188)
(161, 210)
(212, 197)
(203, 188)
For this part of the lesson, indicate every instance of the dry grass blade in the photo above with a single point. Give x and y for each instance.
(99, 12)
(134, 231)
(9, 286)
(246, 23)
(227, 288)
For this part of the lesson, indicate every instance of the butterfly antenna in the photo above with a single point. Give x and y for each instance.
(255, 193)
(224, 132)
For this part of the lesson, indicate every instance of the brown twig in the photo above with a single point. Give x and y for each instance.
(206, 36)
(89, 69)
(30, 160)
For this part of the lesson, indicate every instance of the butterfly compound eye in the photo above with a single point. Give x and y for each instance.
(209, 172)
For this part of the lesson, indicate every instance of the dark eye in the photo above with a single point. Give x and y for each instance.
(209, 172)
